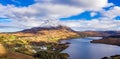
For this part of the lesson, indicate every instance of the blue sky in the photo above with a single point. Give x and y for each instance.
(81, 15)
(18, 3)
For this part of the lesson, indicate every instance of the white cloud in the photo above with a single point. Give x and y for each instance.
(38, 14)
(92, 14)
(47, 13)
(88, 4)
(95, 24)
(112, 13)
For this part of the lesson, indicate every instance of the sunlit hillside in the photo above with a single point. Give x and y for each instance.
(52, 34)
(31, 42)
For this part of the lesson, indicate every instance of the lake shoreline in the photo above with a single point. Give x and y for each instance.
(110, 41)
(82, 44)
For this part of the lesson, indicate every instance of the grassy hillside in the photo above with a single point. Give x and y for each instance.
(52, 34)
(29, 43)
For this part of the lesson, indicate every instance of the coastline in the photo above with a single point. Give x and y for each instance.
(111, 41)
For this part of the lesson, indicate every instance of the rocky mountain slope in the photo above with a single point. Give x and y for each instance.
(46, 34)
(20, 44)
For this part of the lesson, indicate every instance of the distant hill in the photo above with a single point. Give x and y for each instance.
(101, 33)
(36, 31)
(113, 39)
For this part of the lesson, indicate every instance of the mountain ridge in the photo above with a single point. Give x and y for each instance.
(46, 34)
(45, 28)
(101, 33)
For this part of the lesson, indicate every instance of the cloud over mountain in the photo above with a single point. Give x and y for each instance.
(94, 25)
(48, 12)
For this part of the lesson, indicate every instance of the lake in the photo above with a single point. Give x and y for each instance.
(81, 48)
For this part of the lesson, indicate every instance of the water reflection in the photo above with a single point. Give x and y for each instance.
(83, 49)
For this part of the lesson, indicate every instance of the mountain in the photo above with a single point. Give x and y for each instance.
(38, 29)
(47, 34)
(24, 43)
(101, 33)
(113, 40)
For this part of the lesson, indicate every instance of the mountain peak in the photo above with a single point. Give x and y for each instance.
(37, 29)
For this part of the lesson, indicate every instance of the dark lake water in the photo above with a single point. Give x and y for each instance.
(81, 48)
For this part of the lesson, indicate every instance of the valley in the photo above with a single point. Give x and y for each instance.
(39, 42)
(45, 42)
